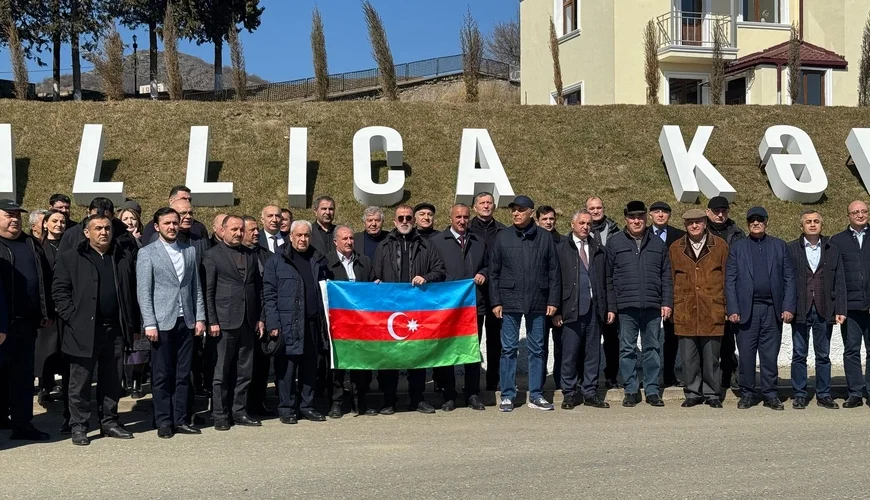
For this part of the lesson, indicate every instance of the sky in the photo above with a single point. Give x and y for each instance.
(280, 49)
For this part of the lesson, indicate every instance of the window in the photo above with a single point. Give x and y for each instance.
(573, 99)
(573, 95)
(761, 11)
(812, 92)
(569, 16)
(735, 93)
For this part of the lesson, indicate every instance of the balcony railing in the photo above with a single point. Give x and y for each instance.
(693, 29)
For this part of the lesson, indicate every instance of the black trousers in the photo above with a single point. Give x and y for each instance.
(581, 340)
(728, 353)
(171, 359)
(493, 346)
(701, 367)
(290, 366)
(359, 379)
(610, 333)
(556, 332)
(232, 373)
(108, 358)
(669, 354)
(259, 378)
(202, 363)
(16, 372)
(389, 382)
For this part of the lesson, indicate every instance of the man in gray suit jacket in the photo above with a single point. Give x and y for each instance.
(173, 311)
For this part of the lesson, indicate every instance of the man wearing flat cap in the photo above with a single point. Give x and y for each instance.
(524, 281)
(424, 219)
(640, 268)
(660, 216)
(718, 224)
(698, 261)
(760, 295)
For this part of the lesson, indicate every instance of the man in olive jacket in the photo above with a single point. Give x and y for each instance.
(524, 280)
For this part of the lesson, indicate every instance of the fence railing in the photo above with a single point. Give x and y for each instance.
(693, 29)
(356, 80)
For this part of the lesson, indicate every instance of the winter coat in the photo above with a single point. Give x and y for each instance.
(424, 260)
(699, 287)
(641, 277)
(524, 275)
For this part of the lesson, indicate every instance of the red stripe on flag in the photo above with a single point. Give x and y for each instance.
(346, 324)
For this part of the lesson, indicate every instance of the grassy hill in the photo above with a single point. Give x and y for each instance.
(558, 156)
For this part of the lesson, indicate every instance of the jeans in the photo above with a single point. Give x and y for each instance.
(800, 335)
(856, 328)
(510, 337)
(648, 322)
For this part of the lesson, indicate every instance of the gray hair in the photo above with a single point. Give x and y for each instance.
(297, 223)
(373, 210)
(340, 228)
(36, 214)
(580, 212)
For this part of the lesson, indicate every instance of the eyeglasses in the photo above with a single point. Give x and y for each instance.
(755, 219)
(404, 218)
(185, 214)
(861, 212)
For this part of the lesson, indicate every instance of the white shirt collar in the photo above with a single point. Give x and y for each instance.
(578, 240)
(455, 234)
(173, 245)
(807, 243)
(343, 259)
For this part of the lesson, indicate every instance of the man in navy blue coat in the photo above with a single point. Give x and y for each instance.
(760, 295)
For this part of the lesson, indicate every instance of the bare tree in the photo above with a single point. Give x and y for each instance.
(864, 70)
(651, 62)
(170, 53)
(237, 56)
(318, 51)
(17, 55)
(717, 73)
(472, 55)
(108, 63)
(557, 65)
(503, 43)
(794, 66)
(381, 51)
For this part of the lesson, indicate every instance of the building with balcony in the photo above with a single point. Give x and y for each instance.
(601, 46)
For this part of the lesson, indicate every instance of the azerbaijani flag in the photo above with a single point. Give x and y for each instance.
(396, 325)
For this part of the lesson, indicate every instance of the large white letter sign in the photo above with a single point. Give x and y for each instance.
(797, 175)
(477, 147)
(690, 171)
(7, 163)
(87, 185)
(204, 194)
(858, 143)
(297, 174)
(365, 189)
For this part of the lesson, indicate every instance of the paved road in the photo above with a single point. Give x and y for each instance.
(643, 452)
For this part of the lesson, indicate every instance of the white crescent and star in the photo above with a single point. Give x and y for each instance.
(412, 326)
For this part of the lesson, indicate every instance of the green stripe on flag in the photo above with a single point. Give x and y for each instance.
(373, 355)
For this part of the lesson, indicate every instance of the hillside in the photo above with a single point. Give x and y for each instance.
(196, 73)
(558, 156)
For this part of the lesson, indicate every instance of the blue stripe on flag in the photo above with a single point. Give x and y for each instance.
(362, 296)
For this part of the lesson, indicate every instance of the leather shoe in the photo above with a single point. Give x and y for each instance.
(221, 424)
(80, 438)
(388, 410)
(744, 403)
(714, 403)
(774, 404)
(117, 432)
(630, 400)
(165, 432)
(799, 403)
(691, 402)
(313, 416)
(612, 384)
(596, 402)
(247, 421)
(568, 403)
(335, 411)
(186, 429)
(853, 402)
(449, 405)
(654, 400)
(424, 407)
(475, 403)
(29, 433)
(288, 419)
(370, 412)
(64, 428)
(827, 402)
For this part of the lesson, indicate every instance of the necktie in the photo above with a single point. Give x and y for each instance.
(274, 244)
(462, 241)
(583, 256)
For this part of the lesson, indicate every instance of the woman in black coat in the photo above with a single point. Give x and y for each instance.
(48, 361)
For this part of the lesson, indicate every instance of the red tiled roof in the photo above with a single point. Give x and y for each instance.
(811, 55)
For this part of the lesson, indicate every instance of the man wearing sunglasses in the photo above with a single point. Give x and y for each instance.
(760, 295)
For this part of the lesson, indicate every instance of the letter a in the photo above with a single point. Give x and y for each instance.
(690, 171)
(477, 147)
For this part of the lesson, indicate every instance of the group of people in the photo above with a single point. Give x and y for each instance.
(210, 314)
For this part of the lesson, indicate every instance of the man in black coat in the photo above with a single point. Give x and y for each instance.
(323, 228)
(366, 242)
(639, 265)
(197, 228)
(26, 279)
(73, 236)
(261, 362)
(545, 217)
(406, 257)
(856, 266)
(660, 217)
(484, 226)
(603, 227)
(346, 264)
(821, 302)
(524, 280)
(94, 290)
(424, 217)
(464, 256)
(271, 238)
(587, 303)
(233, 301)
